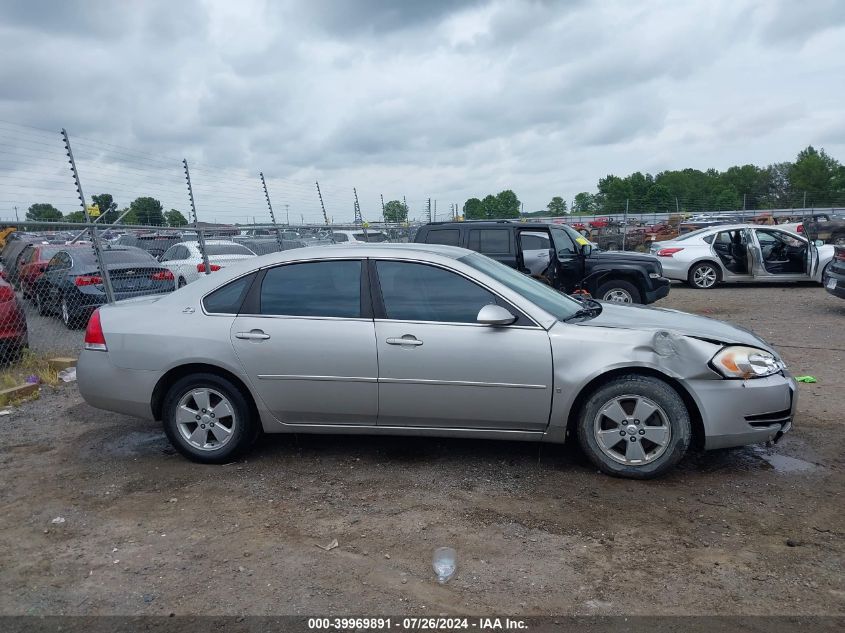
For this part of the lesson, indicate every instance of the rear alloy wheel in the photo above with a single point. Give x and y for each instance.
(40, 305)
(619, 291)
(181, 283)
(208, 419)
(635, 426)
(703, 276)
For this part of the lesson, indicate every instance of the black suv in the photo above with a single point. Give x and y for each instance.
(557, 254)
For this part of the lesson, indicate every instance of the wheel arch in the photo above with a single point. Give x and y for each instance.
(696, 421)
(171, 376)
(708, 259)
(632, 276)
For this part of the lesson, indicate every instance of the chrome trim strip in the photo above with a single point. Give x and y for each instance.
(459, 383)
(407, 381)
(316, 378)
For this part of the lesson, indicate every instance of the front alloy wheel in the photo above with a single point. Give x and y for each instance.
(634, 426)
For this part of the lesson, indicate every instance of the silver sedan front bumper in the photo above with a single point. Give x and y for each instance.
(740, 412)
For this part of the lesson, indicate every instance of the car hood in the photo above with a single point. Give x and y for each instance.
(645, 318)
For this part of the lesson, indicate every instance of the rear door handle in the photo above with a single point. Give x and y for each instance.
(254, 335)
(407, 339)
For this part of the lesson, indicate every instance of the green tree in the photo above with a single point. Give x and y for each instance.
(147, 211)
(489, 207)
(43, 212)
(107, 206)
(175, 218)
(75, 216)
(613, 192)
(584, 203)
(395, 211)
(507, 205)
(817, 174)
(557, 206)
(658, 199)
(473, 210)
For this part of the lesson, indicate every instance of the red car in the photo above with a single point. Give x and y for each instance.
(13, 332)
(32, 263)
(599, 223)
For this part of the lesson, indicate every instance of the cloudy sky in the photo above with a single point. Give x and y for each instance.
(435, 98)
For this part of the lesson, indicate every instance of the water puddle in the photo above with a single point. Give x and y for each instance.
(783, 463)
(137, 443)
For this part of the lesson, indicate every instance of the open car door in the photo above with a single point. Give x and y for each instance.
(755, 253)
(812, 259)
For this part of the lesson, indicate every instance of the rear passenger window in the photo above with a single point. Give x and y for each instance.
(448, 237)
(490, 241)
(229, 298)
(321, 289)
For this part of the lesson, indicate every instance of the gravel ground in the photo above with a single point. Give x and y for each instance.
(747, 531)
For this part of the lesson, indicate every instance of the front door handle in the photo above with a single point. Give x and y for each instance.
(253, 335)
(407, 339)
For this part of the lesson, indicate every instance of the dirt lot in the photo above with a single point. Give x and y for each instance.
(537, 531)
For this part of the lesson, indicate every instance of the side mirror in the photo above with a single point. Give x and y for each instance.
(494, 315)
(586, 249)
(818, 243)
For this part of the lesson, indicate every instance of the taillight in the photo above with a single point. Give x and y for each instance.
(162, 275)
(800, 228)
(201, 268)
(7, 293)
(94, 338)
(668, 252)
(839, 255)
(87, 280)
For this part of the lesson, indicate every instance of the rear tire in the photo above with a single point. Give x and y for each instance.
(704, 276)
(181, 283)
(619, 291)
(40, 305)
(641, 447)
(72, 320)
(229, 425)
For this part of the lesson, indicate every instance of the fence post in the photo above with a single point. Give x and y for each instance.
(200, 232)
(625, 224)
(272, 215)
(95, 239)
(322, 204)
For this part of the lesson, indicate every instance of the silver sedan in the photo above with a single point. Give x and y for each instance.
(742, 253)
(428, 340)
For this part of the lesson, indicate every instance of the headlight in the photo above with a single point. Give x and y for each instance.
(737, 361)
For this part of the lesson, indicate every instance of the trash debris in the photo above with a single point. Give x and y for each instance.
(805, 379)
(58, 520)
(172, 500)
(328, 547)
(32, 379)
(6, 411)
(68, 375)
(444, 562)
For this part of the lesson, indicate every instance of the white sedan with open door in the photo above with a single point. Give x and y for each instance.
(742, 253)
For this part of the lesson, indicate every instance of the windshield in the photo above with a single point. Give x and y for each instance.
(558, 305)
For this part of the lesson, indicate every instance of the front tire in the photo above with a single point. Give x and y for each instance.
(619, 291)
(703, 276)
(208, 419)
(634, 426)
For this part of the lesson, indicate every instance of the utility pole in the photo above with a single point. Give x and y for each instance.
(322, 206)
(428, 210)
(17, 219)
(287, 214)
(383, 218)
(405, 207)
(272, 215)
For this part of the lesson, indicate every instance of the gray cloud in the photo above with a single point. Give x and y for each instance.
(437, 98)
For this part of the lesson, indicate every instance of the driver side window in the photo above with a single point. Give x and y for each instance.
(419, 292)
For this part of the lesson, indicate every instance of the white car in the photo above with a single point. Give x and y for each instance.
(358, 237)
(736, 253)
(185, 261)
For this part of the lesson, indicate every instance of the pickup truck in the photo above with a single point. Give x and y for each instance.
(557, 255)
